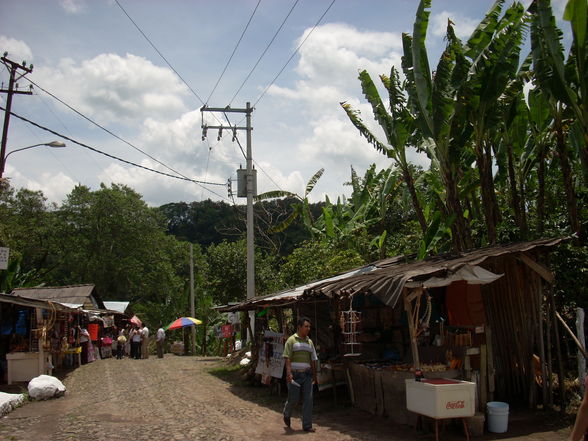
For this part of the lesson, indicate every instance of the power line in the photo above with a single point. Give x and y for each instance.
(294, 53)
(105, 129)
(159, 53)
(234, 50)
(182, 178)
(49, 150)
(264, 51)
(69, 132)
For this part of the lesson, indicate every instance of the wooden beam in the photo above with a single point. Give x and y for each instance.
(567, 328)
(544, 272)
(412, 331)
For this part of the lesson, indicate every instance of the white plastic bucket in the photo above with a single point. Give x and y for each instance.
(497, 416)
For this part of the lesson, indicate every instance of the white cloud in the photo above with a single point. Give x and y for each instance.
(55, 186)
(114, 88)
(335, 52)
(73, 6)
(463, 26)
(328, 69)
(17, 50)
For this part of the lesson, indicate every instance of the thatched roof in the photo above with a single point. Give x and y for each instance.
(84, 296)
(387, 278)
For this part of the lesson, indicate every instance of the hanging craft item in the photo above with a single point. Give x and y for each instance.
(350, 322)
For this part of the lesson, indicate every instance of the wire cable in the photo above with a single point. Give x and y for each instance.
(182, 178)
(30, 129)
(159, 53)
(294, 53)
(264, 51)
(105, 129)
(92, 158)
(234, 50)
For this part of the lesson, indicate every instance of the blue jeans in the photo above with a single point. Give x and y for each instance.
(304, 379)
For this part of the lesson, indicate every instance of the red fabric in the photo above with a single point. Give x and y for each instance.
(227, 331)
(465, 306)
(93, 331)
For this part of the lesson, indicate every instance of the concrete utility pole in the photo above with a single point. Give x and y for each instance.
(250, 185)
(192, 312)
(13, 68)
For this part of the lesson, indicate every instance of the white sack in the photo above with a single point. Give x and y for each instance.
(45, 387)
(9, 402)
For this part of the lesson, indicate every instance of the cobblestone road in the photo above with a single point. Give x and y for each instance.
(178, 399)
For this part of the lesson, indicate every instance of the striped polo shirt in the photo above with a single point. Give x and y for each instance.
(300, 352)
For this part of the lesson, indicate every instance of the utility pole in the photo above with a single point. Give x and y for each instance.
(248, 110)
(13, 68)
(192, 312)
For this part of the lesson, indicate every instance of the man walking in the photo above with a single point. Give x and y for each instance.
(300, 359)
(160, 340)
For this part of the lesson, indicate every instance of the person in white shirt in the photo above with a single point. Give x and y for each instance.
(136, 343)
(145, 342)
(160, 340)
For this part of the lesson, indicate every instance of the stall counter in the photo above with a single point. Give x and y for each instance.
(24, 366)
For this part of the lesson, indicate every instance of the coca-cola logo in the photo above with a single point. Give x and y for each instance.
(455, 404)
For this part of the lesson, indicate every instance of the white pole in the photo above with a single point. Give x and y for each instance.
(250, 224)
(192, 312)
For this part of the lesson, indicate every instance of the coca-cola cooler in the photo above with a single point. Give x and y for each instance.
(441, 398)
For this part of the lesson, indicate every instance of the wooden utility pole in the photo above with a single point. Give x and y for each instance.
(14, 69)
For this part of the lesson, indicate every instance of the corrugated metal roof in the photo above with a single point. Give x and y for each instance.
(116, 306)
(33, 303)
(74, 294)
(386, 278)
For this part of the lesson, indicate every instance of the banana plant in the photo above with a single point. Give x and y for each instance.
(398, 126)
(550, 76)
(492, 62)
(300, 209)
(439, 117)
(576, 13)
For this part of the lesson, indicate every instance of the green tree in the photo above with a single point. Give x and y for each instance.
(226, 279)
(113, 239)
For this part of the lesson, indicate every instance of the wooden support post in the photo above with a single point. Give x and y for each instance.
(411, 330)
(560, 371)
(544, 380)
(491, 369)
(549, 354)
(581, 340)
(483, 375)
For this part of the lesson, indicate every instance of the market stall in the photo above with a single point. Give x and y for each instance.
(33, 335)
(452, 316)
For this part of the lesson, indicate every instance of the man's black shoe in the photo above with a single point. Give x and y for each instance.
(310, 429)
(287, 421)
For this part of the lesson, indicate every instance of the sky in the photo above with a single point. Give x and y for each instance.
(117, 75)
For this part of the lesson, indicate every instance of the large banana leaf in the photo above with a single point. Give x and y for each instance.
(354, 117)
(312, 182)
(420, 64)
(483, 33)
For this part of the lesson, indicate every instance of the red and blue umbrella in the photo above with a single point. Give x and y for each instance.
(182, 322)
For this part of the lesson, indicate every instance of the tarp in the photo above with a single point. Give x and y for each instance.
(473, 275)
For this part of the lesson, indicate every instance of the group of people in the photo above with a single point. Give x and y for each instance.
(136, 338)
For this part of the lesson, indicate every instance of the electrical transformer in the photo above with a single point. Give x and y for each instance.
(242, 182)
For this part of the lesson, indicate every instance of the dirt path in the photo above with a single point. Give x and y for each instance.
(178, 399)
